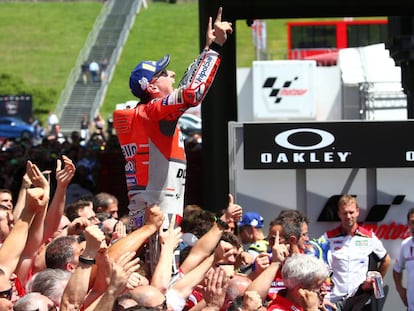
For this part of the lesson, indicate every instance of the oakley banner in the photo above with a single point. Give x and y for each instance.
(348, 144)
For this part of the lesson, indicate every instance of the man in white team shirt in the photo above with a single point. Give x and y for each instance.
(352, 250)
(405, 261)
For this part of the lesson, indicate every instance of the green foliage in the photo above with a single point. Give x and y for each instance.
(43, 98)
(39, 44)
(12, 85)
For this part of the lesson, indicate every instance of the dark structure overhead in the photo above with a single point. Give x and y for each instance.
(268, 9)
(220, 105)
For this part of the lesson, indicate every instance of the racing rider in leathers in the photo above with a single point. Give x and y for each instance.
(151, 142)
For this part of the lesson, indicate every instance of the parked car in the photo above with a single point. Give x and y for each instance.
(14, 127)
(189, 124)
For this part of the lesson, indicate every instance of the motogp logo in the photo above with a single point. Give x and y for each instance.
(285, 90)
(285, 139)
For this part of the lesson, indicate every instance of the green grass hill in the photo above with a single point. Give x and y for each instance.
(40, 42)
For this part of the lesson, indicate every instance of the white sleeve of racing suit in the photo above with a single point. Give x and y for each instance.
(198, 78)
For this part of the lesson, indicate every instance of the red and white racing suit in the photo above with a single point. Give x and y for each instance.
(153, 146)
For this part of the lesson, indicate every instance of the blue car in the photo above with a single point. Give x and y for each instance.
(14, 127)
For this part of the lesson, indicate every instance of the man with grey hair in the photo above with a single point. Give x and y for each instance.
(304, 277)
(34, 301)
(49, 282)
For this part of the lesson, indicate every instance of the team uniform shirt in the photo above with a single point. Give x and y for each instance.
(194, 298)
(349, 258)
(280, 303)
(405, 260)
(276, 286)
(174, 300)
(153, 146)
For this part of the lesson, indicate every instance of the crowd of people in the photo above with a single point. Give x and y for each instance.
(51, 207)
(85, 255)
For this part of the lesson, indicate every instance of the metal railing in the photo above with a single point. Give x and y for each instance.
(381, 96)
(100, 96)
(75, 72)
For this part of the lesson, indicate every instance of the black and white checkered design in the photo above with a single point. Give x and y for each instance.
(274, 92)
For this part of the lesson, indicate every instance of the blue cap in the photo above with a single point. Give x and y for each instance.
(143, 73)
(251, 219)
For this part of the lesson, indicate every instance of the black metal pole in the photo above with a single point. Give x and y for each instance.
(401, 46)
(407, 81)
(219, 107)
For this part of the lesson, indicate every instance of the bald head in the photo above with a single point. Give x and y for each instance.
(237, 286)
(108, 225)
(147, 296)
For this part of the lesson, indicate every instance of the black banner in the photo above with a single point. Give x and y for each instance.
(16, 106)
(343, 144)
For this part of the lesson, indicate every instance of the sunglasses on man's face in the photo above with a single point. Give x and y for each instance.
(161, 307)
(159, 74)
(6, 294)
(49, 308)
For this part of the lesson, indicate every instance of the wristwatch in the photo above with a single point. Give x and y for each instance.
(87, 261)
(222, 224)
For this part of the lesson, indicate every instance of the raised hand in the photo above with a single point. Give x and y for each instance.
(221, 29)
(251, 301)
(218, 33)
(36, 199)
(234, 212)
(172, 237)
(308, 300)
(245, 259)
(95, 239)
(64, 175)
(120, 231)
(262, 261)
(78, 225)
(154, 216)
(135, 280)
(121, 271)
(37, 177)
(26, 182)
(214, 292)
(279, 251)
(225, 251)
